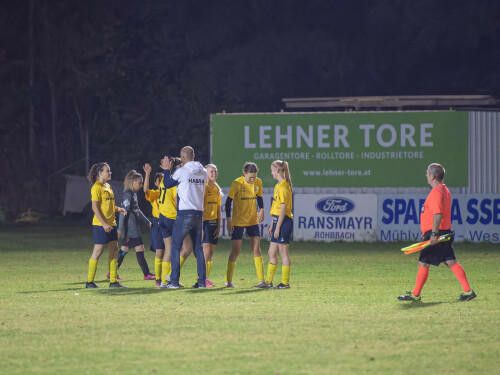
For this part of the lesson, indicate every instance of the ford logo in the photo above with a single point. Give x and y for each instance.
(335, 206)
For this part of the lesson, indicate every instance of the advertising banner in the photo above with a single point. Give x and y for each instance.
(386, 217)
(379, 149)
(345, 217)
(474, 217)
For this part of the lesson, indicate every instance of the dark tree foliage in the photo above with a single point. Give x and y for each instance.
(141, 78)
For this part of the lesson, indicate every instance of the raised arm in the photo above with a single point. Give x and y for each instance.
(147, 171)
(166, 164)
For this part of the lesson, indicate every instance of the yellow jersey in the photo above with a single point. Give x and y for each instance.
(103, 194)
(167, 201)
(152, 197)
(244, 198)
(282, 194)
(211, 202)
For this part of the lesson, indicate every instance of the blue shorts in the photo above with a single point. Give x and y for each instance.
(286, 230)
(166, 226)
(252, 231)
(155, 238)
(132, 242)
(438, 253)
(101, 237)
(209, 229)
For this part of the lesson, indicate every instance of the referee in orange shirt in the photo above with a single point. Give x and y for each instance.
(435, 220)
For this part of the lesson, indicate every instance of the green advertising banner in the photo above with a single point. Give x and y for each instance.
(379, 149)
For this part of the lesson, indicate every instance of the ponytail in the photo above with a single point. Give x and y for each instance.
(288, 177)
(94, 172)
(158, 175)
(176, 163)
(282, 167)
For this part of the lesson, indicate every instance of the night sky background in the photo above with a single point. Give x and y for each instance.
(142, 77)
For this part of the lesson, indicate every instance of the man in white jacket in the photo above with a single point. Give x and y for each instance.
(190, 180)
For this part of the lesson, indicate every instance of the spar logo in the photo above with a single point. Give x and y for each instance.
(335, 206)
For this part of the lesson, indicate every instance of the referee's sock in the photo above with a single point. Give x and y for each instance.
(460, 275)
(271, 269)
(259, 266)
(121, 256)
(142, 262)
(422, 274)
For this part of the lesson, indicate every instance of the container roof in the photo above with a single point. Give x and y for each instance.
(396, 102)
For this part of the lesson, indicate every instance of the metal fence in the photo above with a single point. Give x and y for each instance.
(484, 152)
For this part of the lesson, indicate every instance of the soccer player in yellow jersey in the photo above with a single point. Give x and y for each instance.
(245, 191)
(212, 215)
(104, 223)
(152, 196)
(167, 206)
(282, 225)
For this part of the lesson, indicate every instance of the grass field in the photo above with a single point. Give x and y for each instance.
(341, 315)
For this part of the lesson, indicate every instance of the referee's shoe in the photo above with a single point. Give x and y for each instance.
(467, 296)
(409, 296)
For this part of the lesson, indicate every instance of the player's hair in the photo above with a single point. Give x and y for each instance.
(282, 167)
(94, 172)
(437, 170)
(158, 175)
(177, 163)
(250, 167)
(216, 184)
(130, 178)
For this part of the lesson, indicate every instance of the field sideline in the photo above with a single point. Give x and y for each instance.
(341, 315)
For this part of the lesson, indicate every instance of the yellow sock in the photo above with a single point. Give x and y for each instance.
(182, 260)
(230, 271)
(259, 266)
(209, 268)
(92, 270)
(113, 270)
(285, 274)
(271, 269)
(158, 268)
(166, 267)
(109, 268)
